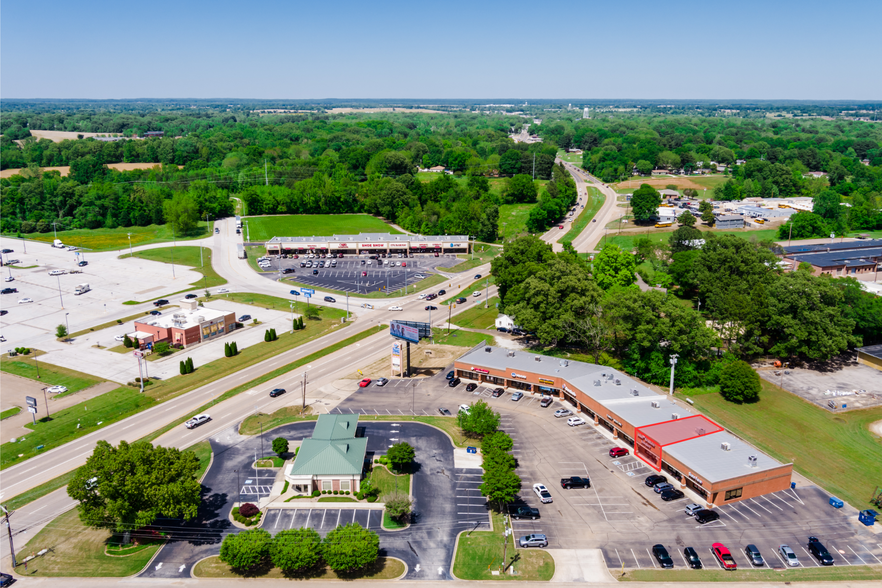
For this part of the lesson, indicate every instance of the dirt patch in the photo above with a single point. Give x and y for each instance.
(681, 183)
(876, 428)
(59, 136)
(65, 169)
(422, 364)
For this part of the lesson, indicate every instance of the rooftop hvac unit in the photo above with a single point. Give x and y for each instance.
(726, 446)
(699, 431)
(597, 382)
(618, 382)
(511, 353)
(675, 416)
(488, 349)
(655, 403)
(609, 377)
(751, 461)
(634, 392)
(537, 358)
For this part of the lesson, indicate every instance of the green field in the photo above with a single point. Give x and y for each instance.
(50, 375)
(480, 553)
(460, 338)
(513, 220)
(478, 317)
(483, 253)
(574, 158)
(594, 204)
(10, 412)
(110, 239)
(264, 228)
(709, 182)
(836, 451)
(627, 240)
(188, 256)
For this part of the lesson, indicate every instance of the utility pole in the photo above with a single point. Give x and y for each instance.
(9, 531)
(130, 245)
(265, 176)
(791, 232)
(347, 306)
(55, 229)
(303, 388)
(673, 365)
(449, 310)
(60, 299)
(174, 244)
(46, 400)
(487, 294)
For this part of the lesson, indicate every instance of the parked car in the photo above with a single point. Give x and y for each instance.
(450, 375)
(56, 389)
(661, 555)
(472, 386)
(669, 495)
(277, 392)
(753, 555)
(497, 392)
(575, 421)
(721, 552)
(444, 411)
(83, 263)
(692, 559)
(382, 382)
(575, 482)
(395, 308)
(705, 516)
(788, 555)
(197, 420)
(7, 251)
(820, 553)
(618, 452)
(542, 492)
(465, 408)
(693, 508)
(521, 511)
(6, 580)
(517, 396)
(160, 302)
(661, 487)
(545, 402)
(9, 291)
(364, 383)
(330, 299)
(244, 317)
(8, 279)
(533, 540)
(120, 338)
(562, 412)
(654, 479)
(454, 382)
(56, 272)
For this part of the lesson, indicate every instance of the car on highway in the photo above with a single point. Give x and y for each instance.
(477, 276)
(654, 479)
(367, 306)
(276, 392)
(546, 402)
(160, 302)
(618, 452)
(382, 382)
(661, 556)
(788, 555)
(4, 312)
(442, 292)
(461, 300)
(497, 392)
(25, 300)
(191, 296)
(465, 408)
(444, 411)
(575, 421)
(562, 412)
(753, 555)
(395, 308)
(575, 482)
(662, 486)
(7, 251)
(672, 494)
(705, 516)
(533, 540)
(56, 389)
(197, 420)
(419, 276)
(522, 511)
(57, 272)
(721, 552)
(155, 312)
(227, 291)
(819, 552)
(244, 317)
(516, 396)
(430, 307)
(476, 293)
(559, 226)
(692, 559)
(9, 291)
(471, 387)
(330, 299)
(364, 383)
(454, 382)
(542, 492)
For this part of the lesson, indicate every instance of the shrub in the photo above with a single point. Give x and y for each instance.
(350, 547)
(294, 550)
(336, 492)
(234, 348)
(739, 383)
(127, 342)
(248, 510)
(245, 550)
(315, 493)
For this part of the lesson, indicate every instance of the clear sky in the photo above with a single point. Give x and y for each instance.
(276, 49)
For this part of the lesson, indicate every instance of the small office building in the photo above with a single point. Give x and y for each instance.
(369, 243)
(689, 448)
(190, 325)
(729, 221)
(332, 459)
(871, 356)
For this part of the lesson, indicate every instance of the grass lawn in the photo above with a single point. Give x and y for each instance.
(50, 375)
(478, 317)
(483, 254)
(627, 240)
(513, 220)
(460, 338)
(389, 483)
(188, 256)
(801, 574)
(836, 451)
(276, 303)
(709, 182)
(272, 461)
(287, 414)
(479, 553)
(120, 322)
(385, 568)
(203, 454)
(575, 158)
(78, 551)
(466, 291)
(336, 499)
(110, 239)
(10, 412)
(873, 234)
(264, 228)
(594, 204)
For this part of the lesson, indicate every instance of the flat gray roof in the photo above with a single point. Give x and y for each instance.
(873, 350)
(706, 458)
(639, 410)
(843, 246)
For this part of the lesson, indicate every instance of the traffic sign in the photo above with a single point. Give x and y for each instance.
(32, 409)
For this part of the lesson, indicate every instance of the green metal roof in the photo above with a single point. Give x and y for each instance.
(319, 457)
(335, 426)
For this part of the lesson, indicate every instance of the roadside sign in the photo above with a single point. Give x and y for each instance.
(31, 400)
(138, 353)
(307, 291)
(32, 409)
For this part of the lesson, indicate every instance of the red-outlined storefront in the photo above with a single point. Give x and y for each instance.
(650, 440)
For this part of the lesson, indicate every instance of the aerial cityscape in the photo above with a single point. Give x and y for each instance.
(288, 297)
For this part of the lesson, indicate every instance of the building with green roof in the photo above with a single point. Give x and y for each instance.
(332, 459)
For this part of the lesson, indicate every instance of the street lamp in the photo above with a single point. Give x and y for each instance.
(67, 326)
(292, 318)
(60, 299)
(130, 245)
(673, 361)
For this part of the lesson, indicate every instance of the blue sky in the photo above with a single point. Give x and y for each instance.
(772, 49)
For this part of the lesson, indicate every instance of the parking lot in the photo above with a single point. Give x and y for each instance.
(848, 386)
(619, 514)
(354, 275)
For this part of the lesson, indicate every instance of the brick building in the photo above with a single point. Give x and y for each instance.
(190, 325)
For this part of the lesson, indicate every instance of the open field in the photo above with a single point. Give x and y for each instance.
(189, 256)
(574, 158)
(264, 228)
(385, 568)
(513, 220)
(50, 375)
(628, 239)
(65, 169)
(478, 317)
(836, 451)
(478, 554)
(78, 551)
(594, 203)
(483, 254)
(695, 182)
(117, 239)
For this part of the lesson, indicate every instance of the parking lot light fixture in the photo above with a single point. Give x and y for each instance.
(130, 245)
(673, 365)
(67, 326)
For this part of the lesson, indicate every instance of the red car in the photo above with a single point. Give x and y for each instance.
(559, 226)
(724, 557)
(618, 452)
(364, 383)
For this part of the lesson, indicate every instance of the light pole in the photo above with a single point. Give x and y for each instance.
(55, 229)
(673, 360)
(67, 326)
(130, 245)
(303, 388)
(239, 488)
(174, 244)
(46, 400)
(59, 292)
(292, 318)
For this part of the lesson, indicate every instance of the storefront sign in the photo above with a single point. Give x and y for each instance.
(480, 371)
(514, 375)
(367, 245)
(545, 381)
(422, 245)
(695, 479)
(343, 246)
(645, 441)
(565, 389)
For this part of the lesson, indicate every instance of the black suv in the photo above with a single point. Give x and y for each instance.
(706, 516)
(160, 302)
(454, 382)
(471, 387)
(277, 392)
(661, 554)
(692, 558)
(575, 482)
(461, 300)
(654, 479)
(820, 553)
(520, 511)
(8, 291)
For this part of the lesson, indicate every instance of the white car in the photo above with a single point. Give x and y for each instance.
(465, 408)
(420, 276)
(476, 293)
(562, 412)
(543, 493)
(367, 306)
(8, 279)
(57, 272)
(72, 248)
(395, 308)
(223, 291)
(25, 300)
(575, 421)
(56, 389)
(197, 420)
(422, 296)
(120, 338)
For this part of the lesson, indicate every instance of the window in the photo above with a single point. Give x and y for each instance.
(736, 493)
(344, 485)
(327, 485)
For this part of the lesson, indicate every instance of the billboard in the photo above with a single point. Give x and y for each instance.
(406, 332)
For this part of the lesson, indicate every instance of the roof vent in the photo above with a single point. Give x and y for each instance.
(603, 375)
(511, 353)
(699, 431)
(609, 377)
(634, 392)
(726, 446)
(655, 404)
(597, 382)
(488, 349)
(675, 416)
(564, 363)
(751, 461)
(537, 358)
(618, 382)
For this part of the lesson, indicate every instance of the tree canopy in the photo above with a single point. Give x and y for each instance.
(350, 547)
(644, 203)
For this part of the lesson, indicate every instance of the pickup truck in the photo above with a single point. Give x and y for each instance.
(575, 482)
(523, 512)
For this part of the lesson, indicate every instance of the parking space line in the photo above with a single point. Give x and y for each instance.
(339, 512)
(621, 563)
(782, 500)
(760, 505)
(322, 525)
(683, 557)
(727, 514)
(856, 555)
(651, 559)
(293, 514)
(867, 549)
(773, 504)
(732, 506)
(748, 508)
(809, 555)
(308, 514)
(840, 554)
(368, 524)
(714, 557)
(784, 563)
(635, 558)
(793, 494)
(353, 514)
(278, 518)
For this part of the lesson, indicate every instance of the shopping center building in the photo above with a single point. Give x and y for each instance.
(670, 438)
(369, 243)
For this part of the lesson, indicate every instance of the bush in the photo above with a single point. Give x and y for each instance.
(315, 493)
(245, 550)
(350, 547)
(234, 348)
(739, 383)
(295, 550)
(280, 446)
(248, 510)
(336, 492)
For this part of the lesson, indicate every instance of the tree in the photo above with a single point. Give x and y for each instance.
(687, 219)
(130, 486)
(614, 267)
(181, 212)
(644, 203)
(245, 550)
(162, 348)
(234, 349)
(60, 331)
(312, 312)
(190, 367)
(280, 446)
(826, 205)
(500, 485)
(480, 420)
(126, 341)
(707, 211)
(510, 162)
(227, 351)
(499, 440)
(804, 225)
(644, 168)
(350, 547)
(739, 383)
(520, 189)
(296, 550)
(401, 454)
(685, 238)
(668, 160)
(521, 258)
(183, 368)
(398, 505)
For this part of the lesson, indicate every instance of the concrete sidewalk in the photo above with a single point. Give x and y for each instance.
(579, 565)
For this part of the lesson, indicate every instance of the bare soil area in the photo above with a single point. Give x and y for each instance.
(426, 360)
(65, 169)
(59, 136)
(681, 183)
(348, 110)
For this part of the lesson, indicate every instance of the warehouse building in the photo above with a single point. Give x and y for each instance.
(859, 259)
(692, 449)
(190, 325)
(729, 221)
(369, 243)
(871, 356)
